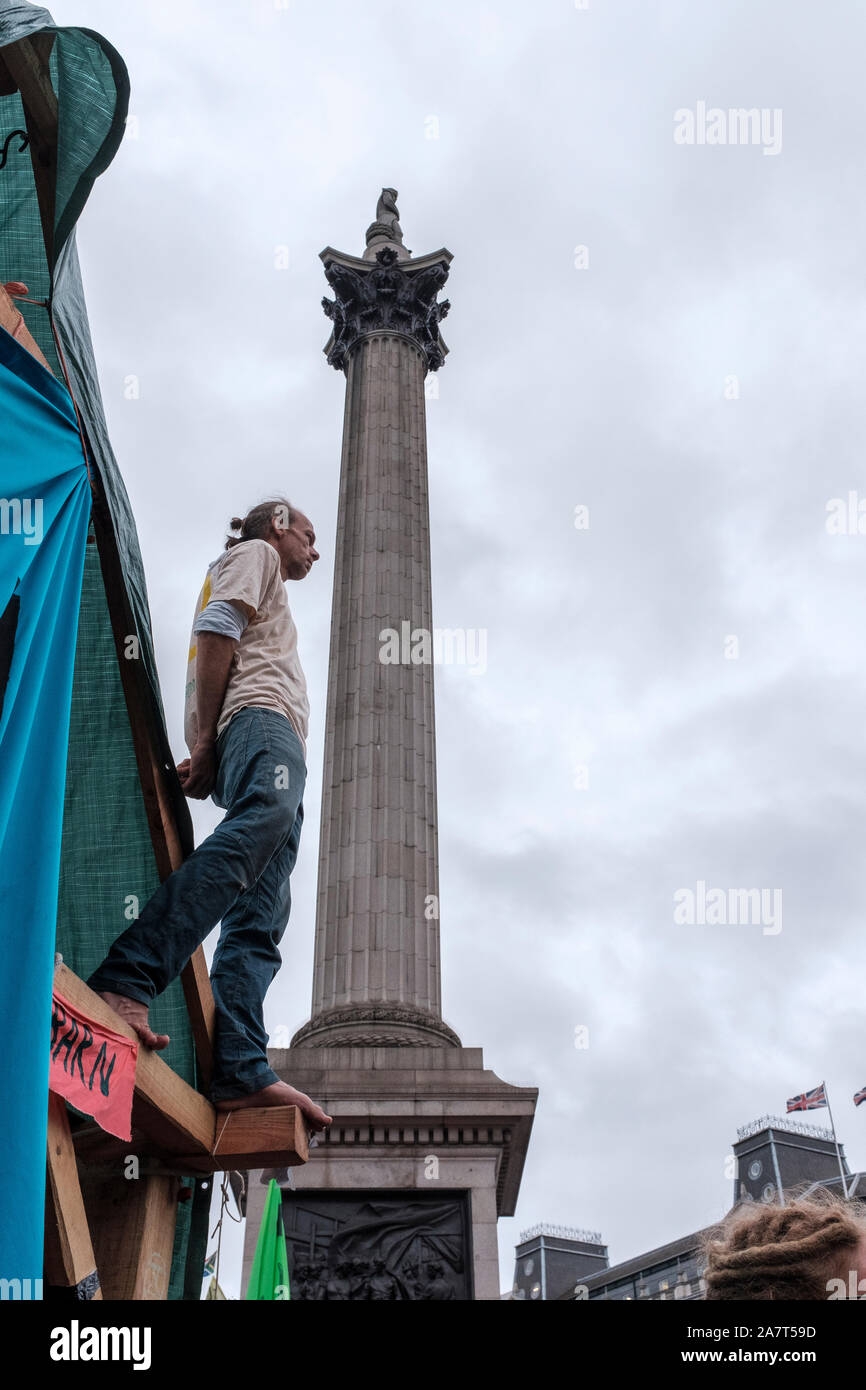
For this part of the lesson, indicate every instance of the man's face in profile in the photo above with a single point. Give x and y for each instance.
(295, 543)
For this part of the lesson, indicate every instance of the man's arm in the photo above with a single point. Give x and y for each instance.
(213, 660)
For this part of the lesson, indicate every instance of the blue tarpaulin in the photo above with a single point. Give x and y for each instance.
(44, 515)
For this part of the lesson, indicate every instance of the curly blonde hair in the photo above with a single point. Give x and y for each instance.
(767, 1251)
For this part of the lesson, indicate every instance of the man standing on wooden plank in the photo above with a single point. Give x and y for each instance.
(245, 725)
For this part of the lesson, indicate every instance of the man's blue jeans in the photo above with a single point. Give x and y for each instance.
(239, 875)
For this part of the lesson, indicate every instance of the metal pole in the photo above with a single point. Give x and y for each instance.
(775, 1159)
(835, 1141)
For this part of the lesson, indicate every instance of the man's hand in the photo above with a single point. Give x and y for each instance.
(198, 772)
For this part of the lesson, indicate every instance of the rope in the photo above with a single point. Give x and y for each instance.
(221, 1133)
(218, 1228)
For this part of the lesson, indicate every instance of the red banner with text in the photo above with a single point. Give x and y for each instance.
(92, 1067)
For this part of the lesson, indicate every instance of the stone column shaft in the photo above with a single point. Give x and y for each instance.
(377, 967)
(378, 847)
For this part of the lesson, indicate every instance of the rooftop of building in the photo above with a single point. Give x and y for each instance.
(647, 1262)
(786, 1126)
(548, 1228)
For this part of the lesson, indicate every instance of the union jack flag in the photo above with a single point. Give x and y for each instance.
(860, 1096)
(809, 1100)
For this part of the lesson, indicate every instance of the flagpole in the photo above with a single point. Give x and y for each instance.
(775, 1157)
(835, 1140)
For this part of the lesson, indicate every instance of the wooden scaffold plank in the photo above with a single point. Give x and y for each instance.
(69, 1258)
(176, 1124)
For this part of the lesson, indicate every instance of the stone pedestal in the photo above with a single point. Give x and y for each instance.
(409, 1122)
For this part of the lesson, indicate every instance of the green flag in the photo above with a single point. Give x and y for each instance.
(270, 1273)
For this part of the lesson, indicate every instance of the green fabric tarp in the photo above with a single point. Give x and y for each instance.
(107, 858)
(269, 1276)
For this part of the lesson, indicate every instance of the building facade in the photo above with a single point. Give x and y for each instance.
(772, 1159)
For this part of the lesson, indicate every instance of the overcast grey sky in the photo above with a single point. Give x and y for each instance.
(697, 386)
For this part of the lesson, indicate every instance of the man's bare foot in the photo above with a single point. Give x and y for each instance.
(279, 1093)
(135, 1014)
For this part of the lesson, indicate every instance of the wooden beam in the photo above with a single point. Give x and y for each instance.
(164, 1106)
(32, 76)
(27, 63)
(202, 1011)
(194, 977)
(133, 1223)
(167, 813)
(69, 1258)
(174, 1123)
(276, 1134)
(8, 85)
(272, 1137)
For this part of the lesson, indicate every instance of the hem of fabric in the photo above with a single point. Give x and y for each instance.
(99, 983)
(233, 1090)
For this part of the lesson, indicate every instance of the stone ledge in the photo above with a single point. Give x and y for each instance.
(383, 1101)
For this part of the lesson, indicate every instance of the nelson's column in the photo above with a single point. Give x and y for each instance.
(426, 1150)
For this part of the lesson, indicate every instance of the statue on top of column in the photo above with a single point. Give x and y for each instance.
(387, 223)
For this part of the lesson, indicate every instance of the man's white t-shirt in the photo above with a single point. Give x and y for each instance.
(265, 670)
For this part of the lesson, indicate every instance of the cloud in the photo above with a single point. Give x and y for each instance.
(610, 387)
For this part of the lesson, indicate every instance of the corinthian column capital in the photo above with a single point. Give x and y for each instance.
(385, 295)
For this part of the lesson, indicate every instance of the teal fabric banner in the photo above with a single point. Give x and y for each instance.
(44, 514)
